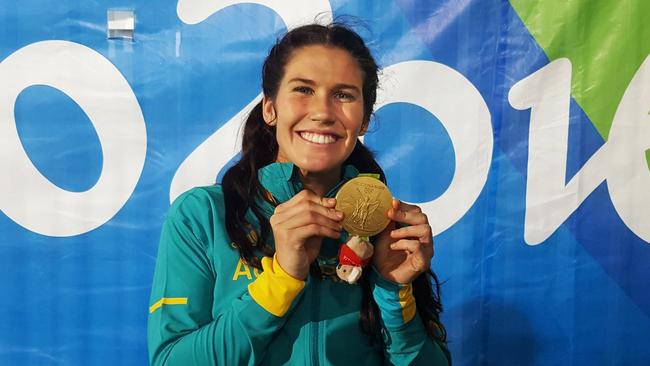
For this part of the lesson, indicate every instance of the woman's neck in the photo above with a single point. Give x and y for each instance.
(322, 182)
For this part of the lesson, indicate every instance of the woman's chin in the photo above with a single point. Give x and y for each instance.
(319, 167)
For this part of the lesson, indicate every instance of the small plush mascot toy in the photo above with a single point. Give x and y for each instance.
(353, 256)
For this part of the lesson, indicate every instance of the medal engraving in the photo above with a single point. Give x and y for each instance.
(364, 201)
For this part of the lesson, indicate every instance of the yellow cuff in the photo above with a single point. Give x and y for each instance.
(274, 289)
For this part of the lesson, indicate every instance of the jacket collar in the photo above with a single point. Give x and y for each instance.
(282, 180)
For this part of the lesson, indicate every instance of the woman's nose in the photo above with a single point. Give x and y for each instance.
(322, 109)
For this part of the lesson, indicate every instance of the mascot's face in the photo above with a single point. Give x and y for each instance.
(348, 273)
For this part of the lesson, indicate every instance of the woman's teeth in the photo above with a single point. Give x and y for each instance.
(317, 138)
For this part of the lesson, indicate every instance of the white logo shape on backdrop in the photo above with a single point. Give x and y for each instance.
(292, 12)
(98, 87)
(460, 108)
(621, 160)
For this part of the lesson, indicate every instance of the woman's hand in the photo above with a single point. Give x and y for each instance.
(298, 228)
(403, 254)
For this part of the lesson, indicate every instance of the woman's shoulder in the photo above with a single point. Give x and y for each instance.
(197, 201)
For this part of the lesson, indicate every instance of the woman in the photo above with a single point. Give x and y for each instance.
(246, 269)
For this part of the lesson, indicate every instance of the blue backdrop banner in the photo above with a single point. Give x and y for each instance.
(522, 128)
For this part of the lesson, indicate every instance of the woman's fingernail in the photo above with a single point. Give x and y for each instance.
(339, 214)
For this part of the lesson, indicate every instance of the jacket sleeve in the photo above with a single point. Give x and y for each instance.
(182, 329)
(405, 338)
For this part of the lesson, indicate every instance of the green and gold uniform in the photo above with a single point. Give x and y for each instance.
(210, 308)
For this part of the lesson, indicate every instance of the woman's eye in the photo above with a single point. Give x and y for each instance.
(344, 96)
(303, 89)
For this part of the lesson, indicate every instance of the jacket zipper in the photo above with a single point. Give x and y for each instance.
(315, 303)
(315, 324)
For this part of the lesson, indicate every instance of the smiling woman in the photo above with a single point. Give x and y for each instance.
(318, 113)
(275, 212)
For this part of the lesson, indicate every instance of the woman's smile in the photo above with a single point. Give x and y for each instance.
(319, 138)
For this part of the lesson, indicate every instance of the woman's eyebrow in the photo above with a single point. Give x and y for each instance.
(302, 80)
(337, 86)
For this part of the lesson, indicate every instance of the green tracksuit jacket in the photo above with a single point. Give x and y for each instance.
(210, 308)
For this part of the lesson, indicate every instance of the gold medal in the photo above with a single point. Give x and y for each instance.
(364, 201)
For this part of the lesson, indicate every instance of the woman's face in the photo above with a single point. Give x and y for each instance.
(318, 110)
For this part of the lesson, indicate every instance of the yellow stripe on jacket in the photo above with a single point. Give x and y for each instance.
(168, 301)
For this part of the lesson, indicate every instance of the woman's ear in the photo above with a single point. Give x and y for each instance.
(364, 128)
(268, 112)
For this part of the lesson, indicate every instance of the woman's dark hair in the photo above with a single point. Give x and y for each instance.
(242, 189)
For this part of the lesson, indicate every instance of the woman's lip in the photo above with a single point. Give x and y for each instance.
(330, 135)
(327, 133)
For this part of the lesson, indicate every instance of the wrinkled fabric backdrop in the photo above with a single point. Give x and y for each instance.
(521, 127)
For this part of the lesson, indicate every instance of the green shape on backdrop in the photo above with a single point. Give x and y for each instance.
(606, 41)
